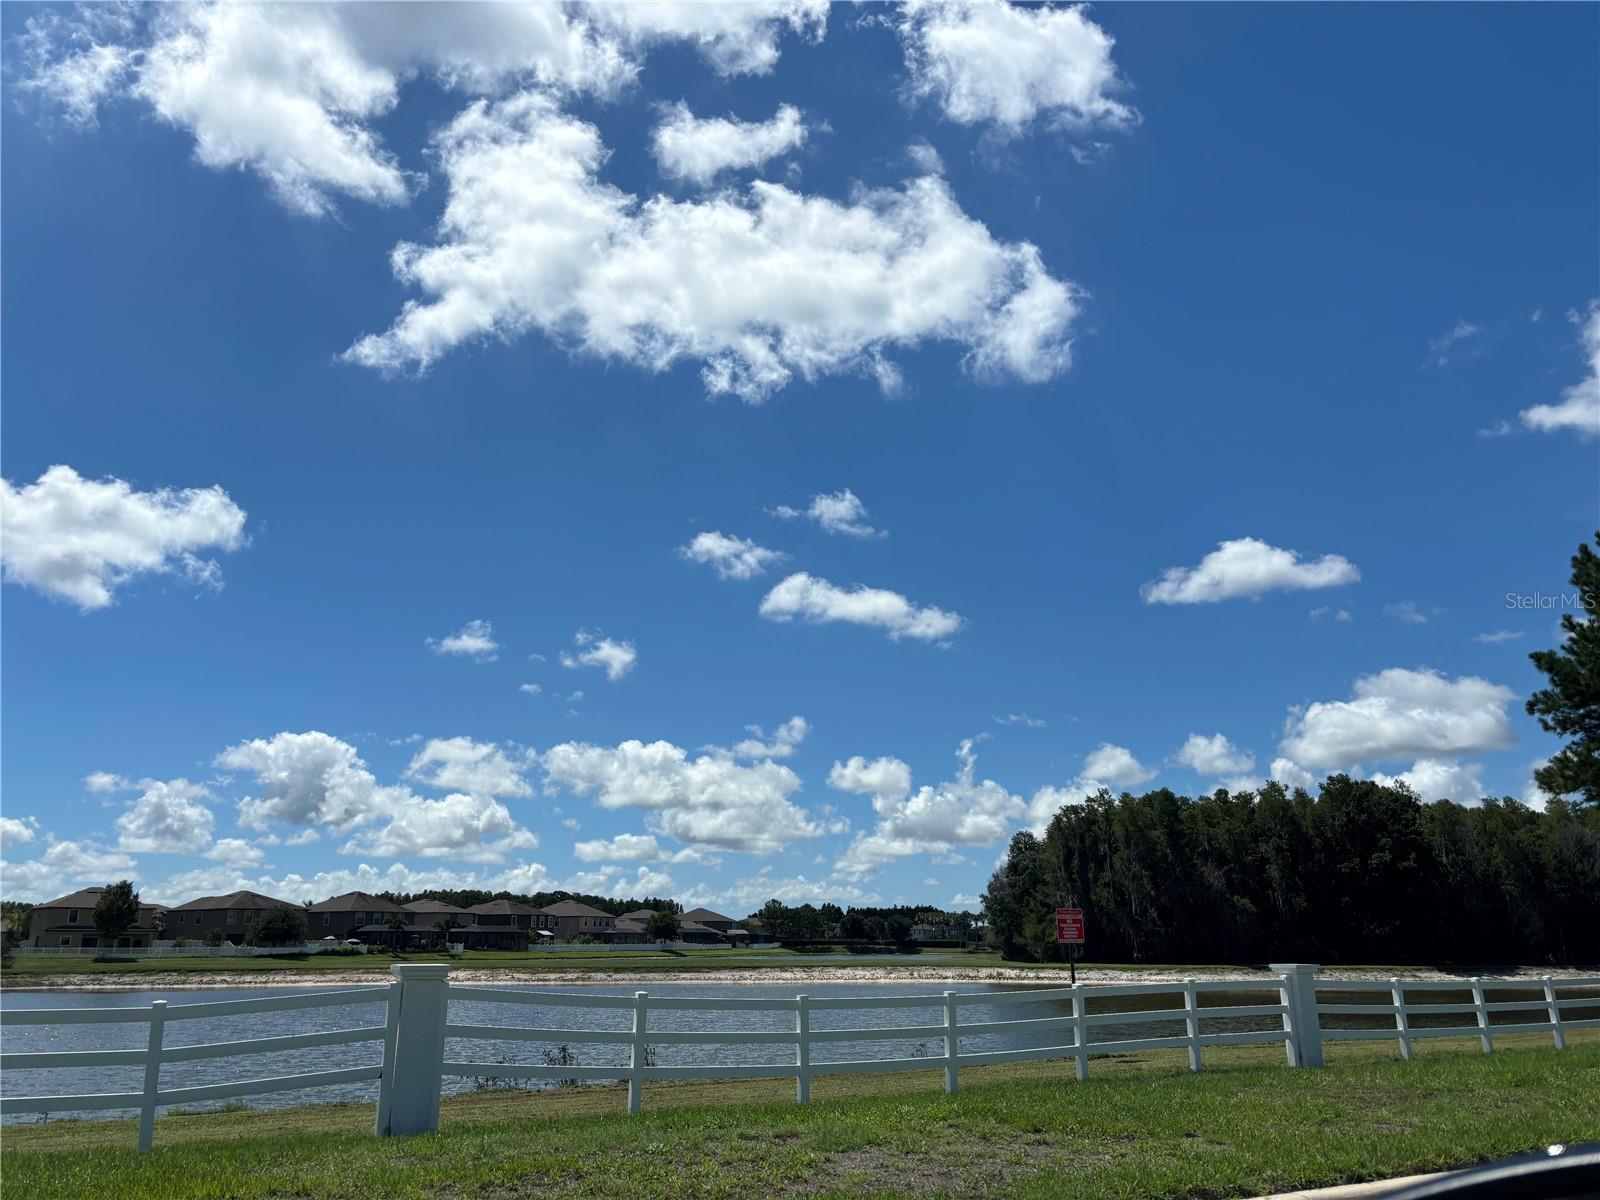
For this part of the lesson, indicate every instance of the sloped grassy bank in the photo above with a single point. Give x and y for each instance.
(1141, 1126)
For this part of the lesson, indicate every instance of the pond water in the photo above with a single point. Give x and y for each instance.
(220, 1029)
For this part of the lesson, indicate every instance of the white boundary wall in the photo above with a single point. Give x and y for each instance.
(416, 1023)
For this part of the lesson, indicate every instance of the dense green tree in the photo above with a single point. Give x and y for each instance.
(663, 926)
(117, 911)
(281, 926)
(1570, 706)
(1362, 872)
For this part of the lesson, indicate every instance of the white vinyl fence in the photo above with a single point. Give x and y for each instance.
(417, 1023)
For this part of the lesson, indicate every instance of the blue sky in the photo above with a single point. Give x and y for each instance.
(1312, 281)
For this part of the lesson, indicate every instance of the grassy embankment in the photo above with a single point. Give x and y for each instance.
(1141, 1127)
(41, 968)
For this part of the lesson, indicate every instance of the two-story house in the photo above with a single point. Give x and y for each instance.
(427, 912)
(573, 918)
(68, 922)
(232, 915)
(504, 912)
(342, 916)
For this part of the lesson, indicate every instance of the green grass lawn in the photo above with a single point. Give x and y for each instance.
(1141, 1126)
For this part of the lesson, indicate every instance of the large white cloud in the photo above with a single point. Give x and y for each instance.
(167, 818)
(1007, 65)
(963, 811)
(309, 778)
(292, 91)
(822, 603)
(710, 801)
(698, 149)
(1400, 714)
(731, 557)
(1579, 410)
(1247, 567)
(80, 539)
(473, 828)
(463, 765)
(757, 288)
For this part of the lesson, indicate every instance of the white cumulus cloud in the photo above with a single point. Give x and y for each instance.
(614, 657)
(474, 640)
(80, 539)
(1399, 714)
(1008, 65)
(756, 287)
(834, 512)
(460, 764)
(731, 557)
(821, 603)
(309, 778)
(1247, 567)
(1579, 410)
(698, 149)
(293, 92)
(963, 811)
(167, 818)
(1214, 755)
(710, 801)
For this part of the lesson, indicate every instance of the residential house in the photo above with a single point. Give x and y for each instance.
(68, 922)
(506, 913)
(931, 932)
(723, 928)
(232, 915)
(573, 918)
(429, 911)
(342, 916)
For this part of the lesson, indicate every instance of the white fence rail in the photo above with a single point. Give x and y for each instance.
(417, 1026)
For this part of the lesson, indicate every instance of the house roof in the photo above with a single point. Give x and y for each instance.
(624, 925)
(503, 908)
(242, 899)
(570, 908)
(638, 914)
(432, 906)
(86, 898)
(354, 902)
(705, 914)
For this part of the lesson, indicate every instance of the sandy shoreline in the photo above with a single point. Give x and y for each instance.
(767, 976)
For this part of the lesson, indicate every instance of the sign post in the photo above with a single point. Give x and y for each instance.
(1069, 932)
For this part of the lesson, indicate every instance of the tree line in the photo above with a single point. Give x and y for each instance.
(815, 922)
(1361, 872)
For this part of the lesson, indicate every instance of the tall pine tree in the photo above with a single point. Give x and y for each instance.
(1570, 706)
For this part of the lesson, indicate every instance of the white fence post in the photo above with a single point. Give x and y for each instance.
(952, 1042)
(1555, 1013)
(1080, 1045)
(152, 1075)
(1191, 1012)
(391, 1029)
(802, 1051)
(419, 1046)
(1402, 1024)
(641, 1013)
(1299, 995)
(1484, 1035)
